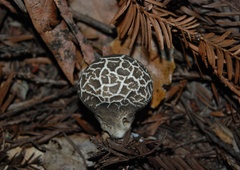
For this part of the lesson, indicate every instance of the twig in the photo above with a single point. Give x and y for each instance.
(36, 101)
(38, 80)
(94, 23)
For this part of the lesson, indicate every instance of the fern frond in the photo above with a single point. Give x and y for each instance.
(151, 17)
(223, 55)
(148, 17)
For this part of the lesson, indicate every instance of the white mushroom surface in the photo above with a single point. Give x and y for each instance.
(114, 88)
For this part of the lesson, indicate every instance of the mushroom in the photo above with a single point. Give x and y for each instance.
(114, 88)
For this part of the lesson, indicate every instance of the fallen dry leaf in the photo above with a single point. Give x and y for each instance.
(4, 87)
(54, 32)
(61, 153)
(161, 71)
(222, 132)
(86, 48)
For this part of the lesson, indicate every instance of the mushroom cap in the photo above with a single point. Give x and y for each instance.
(114, 88)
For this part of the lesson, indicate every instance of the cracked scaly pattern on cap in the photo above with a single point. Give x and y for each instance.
(114, 88)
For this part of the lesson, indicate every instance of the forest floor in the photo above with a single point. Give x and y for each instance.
(43, 124)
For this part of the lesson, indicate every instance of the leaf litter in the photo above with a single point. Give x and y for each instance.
(192, 121)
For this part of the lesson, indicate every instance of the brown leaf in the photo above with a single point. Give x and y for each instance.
(191, 12)
(158, 32)
(119, 47)
(229, 23)
(235, 48)
(160, 69)
(217, 114)
(127, 22)
(210, 55)
(160, 78)
(170, 35)
(184, 39)
(191, 23)
(219, 39)
(226, 43)
(223, 132)
(202, 50)
(54, 32)
(7, 102)
(229, 65)
(145, 40)
(130, 31)
(237, 72)
(135, 30)
(175, 91)
(179, 19)
(185, 21)
(5, 87)
(149, 34)
(230, 86)
(237, 52)
(220, 62)
(166, 34)
(209, 35)
(192, 26)
(86, 48)
(215, 93)
(121, 11)
(215, 5)
(143, 30)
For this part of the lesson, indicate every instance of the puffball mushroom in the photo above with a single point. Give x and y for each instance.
(114, 88)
